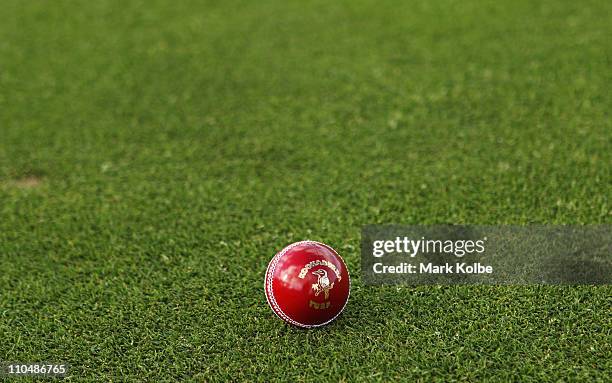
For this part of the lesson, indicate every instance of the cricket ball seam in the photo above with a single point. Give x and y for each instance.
(269, 289)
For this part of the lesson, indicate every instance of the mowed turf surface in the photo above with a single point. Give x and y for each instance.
(155, 155)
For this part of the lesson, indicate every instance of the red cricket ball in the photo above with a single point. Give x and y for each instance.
(307, 284)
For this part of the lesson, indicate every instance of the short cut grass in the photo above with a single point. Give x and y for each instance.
(154, 155)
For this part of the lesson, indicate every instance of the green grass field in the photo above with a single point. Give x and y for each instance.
(154, 155)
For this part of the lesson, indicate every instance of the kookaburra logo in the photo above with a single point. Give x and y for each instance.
(322, 284)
